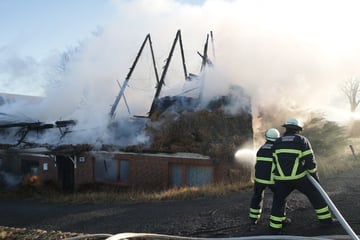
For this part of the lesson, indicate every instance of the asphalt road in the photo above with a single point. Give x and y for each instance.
(223, 217)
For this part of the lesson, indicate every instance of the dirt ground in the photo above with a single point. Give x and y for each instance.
(219, 217)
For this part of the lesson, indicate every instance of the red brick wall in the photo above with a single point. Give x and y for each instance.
(149, 171)
(146, 172)
(45, 175)
(51, 174)
(84, 171)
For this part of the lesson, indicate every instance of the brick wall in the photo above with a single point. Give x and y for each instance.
(49, 174)
(85, 169)
(146, 171)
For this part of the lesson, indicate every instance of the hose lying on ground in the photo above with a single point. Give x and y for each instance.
(333, 208)
(122, 236)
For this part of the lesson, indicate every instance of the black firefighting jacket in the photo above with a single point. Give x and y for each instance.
(293, 157)
(264, 164)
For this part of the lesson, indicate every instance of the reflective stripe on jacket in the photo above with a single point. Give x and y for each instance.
(293, 157)
(264, 164)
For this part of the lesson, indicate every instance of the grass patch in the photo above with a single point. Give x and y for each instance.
(330, 165)
(142, 196)
(49, 194)
(330, 142)
(340, 161)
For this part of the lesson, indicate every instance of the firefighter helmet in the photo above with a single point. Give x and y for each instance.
(272, 134)
(293, 123)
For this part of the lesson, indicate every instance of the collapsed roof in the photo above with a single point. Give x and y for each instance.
(181, 125)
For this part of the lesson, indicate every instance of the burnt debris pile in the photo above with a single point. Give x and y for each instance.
(216, 130)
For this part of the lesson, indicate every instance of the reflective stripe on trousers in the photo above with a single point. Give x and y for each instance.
(323, 213)
(276, 222)
(254, 213)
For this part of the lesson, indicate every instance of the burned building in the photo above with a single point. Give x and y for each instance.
(191, 143)
(193, 149)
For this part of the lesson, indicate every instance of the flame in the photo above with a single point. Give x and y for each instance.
(31, 180)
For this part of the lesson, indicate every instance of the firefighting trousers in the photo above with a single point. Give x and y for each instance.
(283, 188)
(256, 203)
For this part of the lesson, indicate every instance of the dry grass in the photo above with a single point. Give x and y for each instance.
(331, 165)
(344, 159)
(12, 233)
(137, 196)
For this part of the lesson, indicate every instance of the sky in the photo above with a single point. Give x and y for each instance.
(36, 28)
(287, 53)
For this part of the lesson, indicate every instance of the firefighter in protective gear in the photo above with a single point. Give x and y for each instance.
(294, 158)
(263, 174)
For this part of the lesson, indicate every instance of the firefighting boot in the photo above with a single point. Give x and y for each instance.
(328, 222)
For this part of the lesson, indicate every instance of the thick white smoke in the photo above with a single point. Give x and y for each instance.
(287, 53)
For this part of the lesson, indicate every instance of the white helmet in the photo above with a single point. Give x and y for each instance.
(272, 134)
(293, 123)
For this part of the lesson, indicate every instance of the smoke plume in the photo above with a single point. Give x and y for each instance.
(288, 54)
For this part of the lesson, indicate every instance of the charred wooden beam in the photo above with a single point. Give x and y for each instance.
(25, 127)
(164, 72)
(65, 123)
(124, 85)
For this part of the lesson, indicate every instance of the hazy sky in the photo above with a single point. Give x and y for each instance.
(35, 28)
(291, 53)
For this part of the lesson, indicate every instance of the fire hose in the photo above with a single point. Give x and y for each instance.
(130, 235)
(333, 208)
